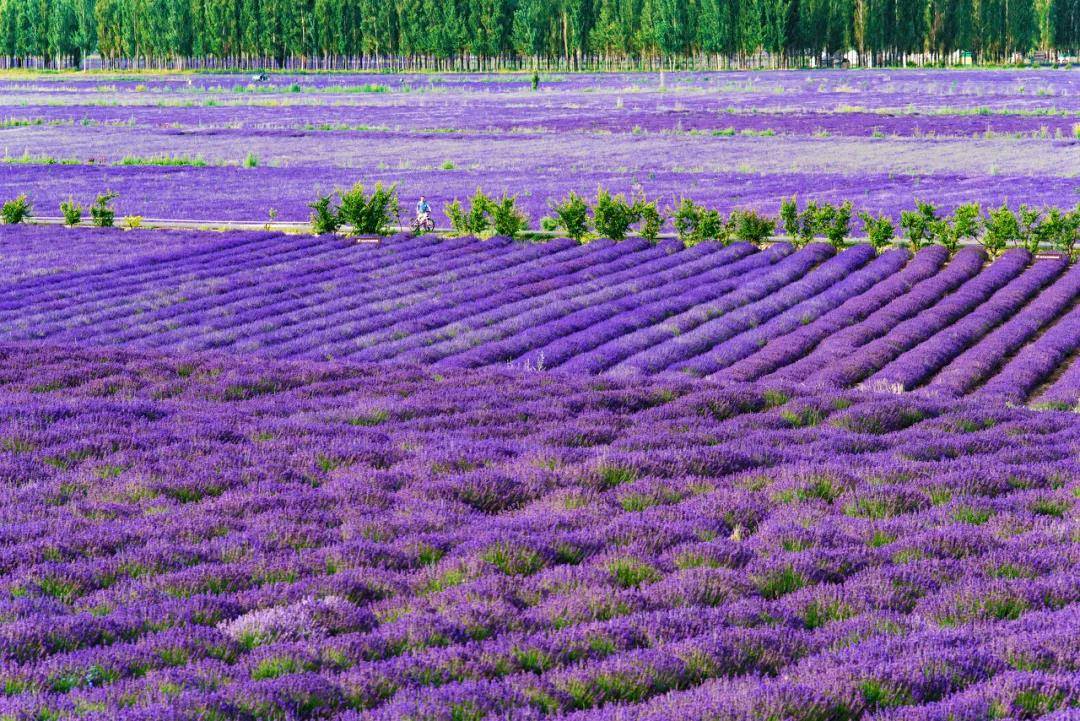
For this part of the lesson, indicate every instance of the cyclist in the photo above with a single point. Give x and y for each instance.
(423, 210)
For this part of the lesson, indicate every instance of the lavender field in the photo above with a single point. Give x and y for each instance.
(895, 321)
(263, 476)
(212, 537)
(878, 138)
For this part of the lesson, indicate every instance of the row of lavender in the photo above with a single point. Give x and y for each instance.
(947, 326)
(195, 537)
(327, 123)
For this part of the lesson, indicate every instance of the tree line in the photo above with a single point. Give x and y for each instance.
(514, 34)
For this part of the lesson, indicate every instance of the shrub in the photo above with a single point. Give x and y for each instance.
(963, 224)
(1061, 230)
(474, 221)
(458, 217)
(251, 161)
(918, 224)
(535, 80)
(695, 223)
(967, 220)
(369, 215)
(572, 215)
(879, 230)
(324, 219)
(613, 216)
(132, 222)
(835, 223)
(1031, 228)
(789, 216)
(940, 232)
(1002, 227)
(102, 214)
(809, 222)
(16, 211)
(748, 226)
(72, 212)
(650, 217)
(506, 218)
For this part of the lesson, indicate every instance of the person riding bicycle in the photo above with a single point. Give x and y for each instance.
(423, 210)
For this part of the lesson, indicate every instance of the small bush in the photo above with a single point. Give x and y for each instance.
(369, 215)
(72, 211)
(458, 217)
(1002, 227)
(572, 215)
(132, 222)
(324, 219)
(251, 161)
(506, 218)
(966, 221)
(1061, 230)
(809, 220)
(879, 230)
(16, 211)
(613, 215)
(102, 214)
(803, 226)
(197, 161)
(789, 216)
(695, 223)
(963, 224)
(474, 221)
(1031, 228)
(748, 226)
(650, 217)
(835, 223)
(918, 224)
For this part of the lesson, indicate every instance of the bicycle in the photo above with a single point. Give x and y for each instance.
(422, 224)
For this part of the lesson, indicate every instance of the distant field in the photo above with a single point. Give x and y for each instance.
(878, 138)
